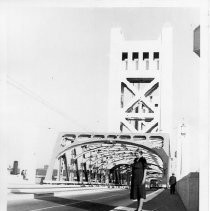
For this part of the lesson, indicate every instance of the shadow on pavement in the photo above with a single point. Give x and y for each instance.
(86, 205)
(164, 201)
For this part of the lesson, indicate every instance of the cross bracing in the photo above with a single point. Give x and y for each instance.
(139, 108)
(101, 153)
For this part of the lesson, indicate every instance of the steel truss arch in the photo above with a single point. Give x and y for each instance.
(155, 147)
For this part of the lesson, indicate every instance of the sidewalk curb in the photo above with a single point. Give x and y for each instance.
(46, 193)
(35, 193)
(153, 194)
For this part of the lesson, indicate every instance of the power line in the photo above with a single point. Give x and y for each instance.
(39, 99)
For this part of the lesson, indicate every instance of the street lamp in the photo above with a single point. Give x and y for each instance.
(183, 129)
(183, 134)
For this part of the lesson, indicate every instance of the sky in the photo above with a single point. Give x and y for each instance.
(58, 70)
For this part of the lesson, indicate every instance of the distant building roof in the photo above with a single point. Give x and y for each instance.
(42, 172)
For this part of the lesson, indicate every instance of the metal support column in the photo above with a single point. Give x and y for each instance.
(66, 166)
(76, 165)
(85, 172)
(59, 169)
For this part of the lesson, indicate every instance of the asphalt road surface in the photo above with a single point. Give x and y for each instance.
(104, 200)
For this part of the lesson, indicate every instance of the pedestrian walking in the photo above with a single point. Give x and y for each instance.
(23, 174)
(172, 183)
(138, 178)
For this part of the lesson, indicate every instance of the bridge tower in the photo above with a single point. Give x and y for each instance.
(140, 105)
(140, 86)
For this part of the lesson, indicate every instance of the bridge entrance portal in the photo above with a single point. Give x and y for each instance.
(106, 158)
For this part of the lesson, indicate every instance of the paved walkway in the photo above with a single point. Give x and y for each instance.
(160, 201)
(165, 202)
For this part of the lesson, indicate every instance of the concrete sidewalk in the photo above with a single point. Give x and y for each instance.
(160, 200)
(164, 201)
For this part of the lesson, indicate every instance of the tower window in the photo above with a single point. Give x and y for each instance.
(135, 55)
(124, 56)
(156, 55)
(145, 55)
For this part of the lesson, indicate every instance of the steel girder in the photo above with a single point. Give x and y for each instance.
(106, 150)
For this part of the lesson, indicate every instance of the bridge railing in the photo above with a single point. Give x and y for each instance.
(84, 184)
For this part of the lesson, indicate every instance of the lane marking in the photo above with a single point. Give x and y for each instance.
(120, 208)
(63, 205)
(128, 209)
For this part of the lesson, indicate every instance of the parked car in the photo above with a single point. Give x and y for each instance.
(154, 183)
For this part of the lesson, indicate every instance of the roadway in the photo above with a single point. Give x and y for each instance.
(92, 200)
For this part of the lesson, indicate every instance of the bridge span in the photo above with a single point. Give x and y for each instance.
(93, 199)
(107, 157)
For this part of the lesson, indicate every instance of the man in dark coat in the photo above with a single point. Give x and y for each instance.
(172, 183)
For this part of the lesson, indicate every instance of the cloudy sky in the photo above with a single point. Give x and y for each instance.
(58, 65)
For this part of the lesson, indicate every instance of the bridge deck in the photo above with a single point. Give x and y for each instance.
(160, 200)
